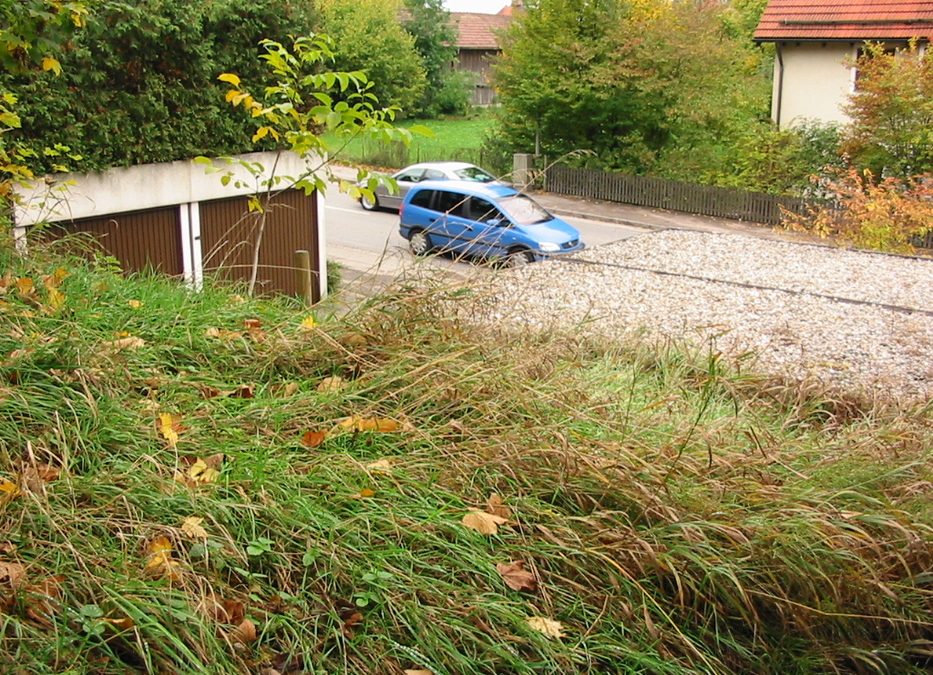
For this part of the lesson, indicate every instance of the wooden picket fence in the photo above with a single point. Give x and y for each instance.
(661, 193)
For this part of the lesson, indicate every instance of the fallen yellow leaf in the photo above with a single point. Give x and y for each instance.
(25, 286)
(417, 671)
(135, 304)
(201, 472)
(56, 300)
(8, 490)
(167, 427)
(308, 323)
(548, 627)
(365, 493)
(482, 522)
(191, 526)
(122, 623)
(159, 561)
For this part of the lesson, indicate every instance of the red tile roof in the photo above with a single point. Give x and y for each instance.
(845, 20)
(478, 31)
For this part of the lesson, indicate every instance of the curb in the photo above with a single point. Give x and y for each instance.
(609, 219)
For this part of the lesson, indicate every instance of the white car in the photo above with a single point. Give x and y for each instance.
(414, 174)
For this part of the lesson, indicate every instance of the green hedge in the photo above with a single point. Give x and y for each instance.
(139, 83)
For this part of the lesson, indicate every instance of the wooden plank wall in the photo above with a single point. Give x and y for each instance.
(140, 240)
(661, 193)
(228, 232)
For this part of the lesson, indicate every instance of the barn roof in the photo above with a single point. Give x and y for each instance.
(478, 31)
(827, 20)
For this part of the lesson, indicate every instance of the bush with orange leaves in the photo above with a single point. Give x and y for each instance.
(888, 215)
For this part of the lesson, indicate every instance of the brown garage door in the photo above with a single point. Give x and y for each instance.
(138, 239)
(228, 231)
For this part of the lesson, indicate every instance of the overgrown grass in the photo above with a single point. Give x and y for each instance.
(678, 516)
(456, 138)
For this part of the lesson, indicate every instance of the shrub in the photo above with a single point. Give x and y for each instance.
(883, 215)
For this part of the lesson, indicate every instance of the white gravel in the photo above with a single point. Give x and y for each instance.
(789, 323)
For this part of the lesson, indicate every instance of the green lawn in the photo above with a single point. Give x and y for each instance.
(458, 138)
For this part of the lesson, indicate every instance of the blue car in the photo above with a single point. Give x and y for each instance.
(490, 221)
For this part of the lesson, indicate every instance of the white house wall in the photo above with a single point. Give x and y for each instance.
(145, 186)
(816, 83)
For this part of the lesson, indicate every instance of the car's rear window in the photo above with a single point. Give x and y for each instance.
(474, 173)
(450, 202)
(524, 210)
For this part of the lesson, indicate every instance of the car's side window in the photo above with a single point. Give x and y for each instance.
(451, 202)
(423, 198)
(433, 174)
(411, 176)
(483, 211)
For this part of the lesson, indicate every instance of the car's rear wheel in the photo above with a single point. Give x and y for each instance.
(518, 257)
(369, 203)
(420, 242)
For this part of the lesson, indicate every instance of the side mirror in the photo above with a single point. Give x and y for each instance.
(496, 222)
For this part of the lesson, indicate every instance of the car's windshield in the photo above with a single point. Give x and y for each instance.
(524, 210)
(474, 173)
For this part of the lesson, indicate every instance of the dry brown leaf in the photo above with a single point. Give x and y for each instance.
(168, 427)
(331, 384)
(290, 389)
(35, 476)
(232, 612)
(42, 599)
(244, 391)
(12, 575)
(244, 633)
(208, 391)
(349, 621)
(417, 671)
(354, 340)
(191, 526)
(159, 561)
(482, 522)
(365, 493)
(129, 342)
(516, 577)
(252, 324)
(380, 465)
(495, 506)
(548, 627)
(312, 439)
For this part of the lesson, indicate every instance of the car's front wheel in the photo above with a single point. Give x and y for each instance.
(420, 242)
(369, 203)
(518, 257)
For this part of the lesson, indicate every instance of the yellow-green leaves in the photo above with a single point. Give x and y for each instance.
(51, 63)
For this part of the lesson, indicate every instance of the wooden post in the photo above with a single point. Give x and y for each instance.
(303, 276)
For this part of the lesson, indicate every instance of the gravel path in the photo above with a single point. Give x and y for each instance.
(801, 333)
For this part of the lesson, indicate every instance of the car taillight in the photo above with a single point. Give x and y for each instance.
(401, 210)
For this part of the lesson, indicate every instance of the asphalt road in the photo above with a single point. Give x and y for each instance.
(368, 243)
